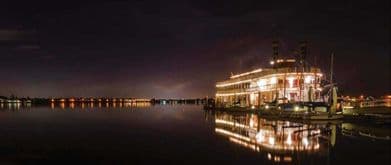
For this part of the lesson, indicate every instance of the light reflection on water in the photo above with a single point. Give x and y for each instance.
(281, 140)
(156, 133)
(289, 141)
(73, 105)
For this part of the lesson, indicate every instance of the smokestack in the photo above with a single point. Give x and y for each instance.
(275, 46)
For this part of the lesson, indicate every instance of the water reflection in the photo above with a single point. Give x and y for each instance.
(75, 106)
(279, 141)
(287, 141)
(15, 106)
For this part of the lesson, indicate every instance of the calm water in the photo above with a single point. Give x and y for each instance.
(179, 134)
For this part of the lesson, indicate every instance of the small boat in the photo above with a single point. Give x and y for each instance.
(308, 111)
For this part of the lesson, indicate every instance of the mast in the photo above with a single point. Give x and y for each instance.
(331, 67)
(333, 92)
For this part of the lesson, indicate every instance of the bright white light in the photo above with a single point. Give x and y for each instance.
(261, 83)
(267, 107)
(307, 79)
(296, 108)
(252, 107)
(273, 80)
(271, 62)
(260, 137)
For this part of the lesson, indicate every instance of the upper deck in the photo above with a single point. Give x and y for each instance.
(264, 73)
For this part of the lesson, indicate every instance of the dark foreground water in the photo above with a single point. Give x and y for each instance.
(180, 134)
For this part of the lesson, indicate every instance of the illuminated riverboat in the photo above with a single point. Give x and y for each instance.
(286, 80)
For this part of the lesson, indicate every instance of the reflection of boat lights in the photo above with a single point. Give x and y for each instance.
(305, 141)
(72, 105)
(222, 131)
(230, 123)
(269, 156)
(62, 105)
(289, 139)
(243, 143)
(287, 159)
(316, 146)
(271, 140)
(277, 158)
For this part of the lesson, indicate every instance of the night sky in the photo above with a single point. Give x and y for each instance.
(173, 49)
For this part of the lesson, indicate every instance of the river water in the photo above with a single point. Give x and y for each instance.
(180, 134)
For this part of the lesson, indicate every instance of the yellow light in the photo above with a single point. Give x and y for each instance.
(296, 108)
(252, 97)
(287, 158)
(229, 133)
(251, 123)
(231, 94)
(253, 107)
(267, 107)
(246, 73)
(290, 60)
(230, 123)
(243, 143)
(233, 83)
(229, 83)
(277, 159)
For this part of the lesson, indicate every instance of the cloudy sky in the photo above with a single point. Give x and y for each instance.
(181, 48)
